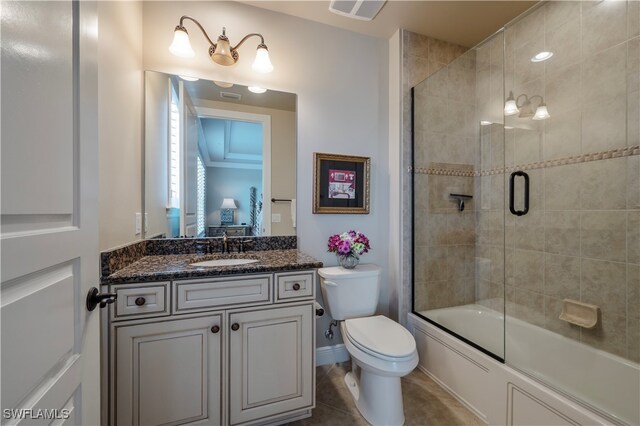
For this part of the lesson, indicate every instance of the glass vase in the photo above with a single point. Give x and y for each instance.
(348, 261)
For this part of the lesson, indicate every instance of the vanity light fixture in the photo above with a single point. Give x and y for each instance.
(524, 109)
(221, 52)
(256, 89)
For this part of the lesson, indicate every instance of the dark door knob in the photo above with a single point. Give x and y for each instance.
(140, 301)
(215, 329)
(296, 286)
(95, 298)
(235, 326)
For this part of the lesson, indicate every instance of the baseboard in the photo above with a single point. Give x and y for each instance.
(326, 355)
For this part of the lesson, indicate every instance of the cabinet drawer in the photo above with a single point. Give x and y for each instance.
(190, 295)
(145, 301)
(292, 286)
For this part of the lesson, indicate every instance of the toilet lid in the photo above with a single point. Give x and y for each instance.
(381, 335)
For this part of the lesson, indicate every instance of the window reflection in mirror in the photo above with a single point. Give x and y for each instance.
(215, 158)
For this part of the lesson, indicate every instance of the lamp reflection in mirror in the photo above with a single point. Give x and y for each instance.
(222, 52)
(524, 109)
(226, 211)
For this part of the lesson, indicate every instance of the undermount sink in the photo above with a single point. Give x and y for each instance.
(224, 262)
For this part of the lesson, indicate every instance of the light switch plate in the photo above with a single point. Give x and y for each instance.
(276, 218)
(138, 223)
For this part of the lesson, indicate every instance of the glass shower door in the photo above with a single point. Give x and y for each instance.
(459, 198)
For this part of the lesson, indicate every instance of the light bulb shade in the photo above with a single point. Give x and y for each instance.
(510, 107)
(181, 46)
(262, 63)
(222, 55)
(228, 203)
(541, 113)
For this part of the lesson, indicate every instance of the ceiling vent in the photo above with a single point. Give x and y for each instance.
(231, 95)
(364, 10)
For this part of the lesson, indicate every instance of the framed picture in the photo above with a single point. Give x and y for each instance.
(340, 184)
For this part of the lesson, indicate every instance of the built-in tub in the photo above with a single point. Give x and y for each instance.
(573, 373)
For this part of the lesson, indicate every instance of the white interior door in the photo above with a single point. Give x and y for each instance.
(189, 142)
(49, 215)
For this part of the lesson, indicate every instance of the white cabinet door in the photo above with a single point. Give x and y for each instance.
(169, 372)
(49, 216)
(270, 362)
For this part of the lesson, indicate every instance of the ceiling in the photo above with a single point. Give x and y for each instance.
(207, 89)
(461, 22)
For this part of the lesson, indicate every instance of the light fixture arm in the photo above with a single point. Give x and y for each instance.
(245, 38)
(181, 26)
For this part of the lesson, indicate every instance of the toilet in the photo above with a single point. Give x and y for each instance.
(382, 351)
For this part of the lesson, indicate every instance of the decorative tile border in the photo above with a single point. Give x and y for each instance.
(457, 170)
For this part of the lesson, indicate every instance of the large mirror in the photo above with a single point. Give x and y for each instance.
(219, 157)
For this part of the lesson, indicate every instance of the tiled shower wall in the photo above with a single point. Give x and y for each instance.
(422, 56)
(581, 238)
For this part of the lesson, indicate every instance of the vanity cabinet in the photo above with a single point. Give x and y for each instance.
(215, 351)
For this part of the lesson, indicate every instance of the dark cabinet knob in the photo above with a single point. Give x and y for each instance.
(235, 326)
(215, 329)
(141, 301)
(296, 286)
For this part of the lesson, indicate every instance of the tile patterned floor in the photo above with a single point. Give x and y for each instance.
(425, 402)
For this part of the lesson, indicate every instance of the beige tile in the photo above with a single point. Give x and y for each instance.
(633, 118)
(525, 70)
(633, 236)
(633, 339)
(528, 28)
(332, 390)
(604, 75)
(633, 64)
(557, 13)
(461, 83)
(326, 415)
(430, 228)
(418, 67)
(633, 182)
(421, 193)
(529, 307)
(561, 88)
(633, 291)
(497, 192)
(528, 146)
(416, 44)
(462, 118)
(604, 125)
(604, 184)
(610, 334)
(604, 284)
(440, 51)
(529, 231)
(420, 263)
(564, 41)
(633, 18)
(437, 117)
(443, 294)
(461, 228)
(562, 276)
(603, 235)
(603, 25)
(420, 296)
(562, 187)
(528, 270)
(562, 232)
(562, 134)
(552, 310)
(422, 406)
(436, 265)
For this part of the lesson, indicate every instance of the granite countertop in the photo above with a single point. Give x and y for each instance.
(177, 266)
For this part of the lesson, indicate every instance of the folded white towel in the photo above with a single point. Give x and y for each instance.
(293, 212)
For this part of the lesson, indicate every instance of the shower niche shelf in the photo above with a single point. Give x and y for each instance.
(581, 314)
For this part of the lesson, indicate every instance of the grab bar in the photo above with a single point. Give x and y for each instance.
(512, 208)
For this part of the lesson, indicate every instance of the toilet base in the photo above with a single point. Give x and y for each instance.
(378, 398)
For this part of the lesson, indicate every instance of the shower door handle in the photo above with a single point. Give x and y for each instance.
(512, 179)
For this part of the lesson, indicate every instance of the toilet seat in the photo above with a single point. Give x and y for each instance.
(381, 338)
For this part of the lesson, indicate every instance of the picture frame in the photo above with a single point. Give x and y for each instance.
(340, 184)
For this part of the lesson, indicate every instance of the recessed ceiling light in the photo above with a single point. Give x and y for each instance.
(223, 84)
(485, 123)
(542, 56)
(257, 89)
(187, 78)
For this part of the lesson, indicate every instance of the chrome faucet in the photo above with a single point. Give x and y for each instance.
(225, 242)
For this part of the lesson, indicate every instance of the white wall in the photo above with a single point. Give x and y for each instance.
(340, 78)
(120, 99)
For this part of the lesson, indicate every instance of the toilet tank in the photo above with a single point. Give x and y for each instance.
(350, 293)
